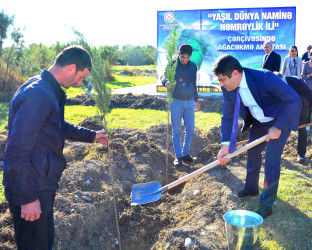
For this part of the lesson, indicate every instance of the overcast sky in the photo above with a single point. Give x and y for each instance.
(120, 22)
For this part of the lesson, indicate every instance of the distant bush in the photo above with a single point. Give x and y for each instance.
(9, 83)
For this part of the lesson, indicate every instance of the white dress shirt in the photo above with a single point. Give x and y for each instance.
(251, 103)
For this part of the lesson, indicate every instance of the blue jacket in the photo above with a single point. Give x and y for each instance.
(274, 97)
(34, 160)
(186, 77)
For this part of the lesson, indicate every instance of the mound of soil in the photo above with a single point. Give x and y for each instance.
(84, 207)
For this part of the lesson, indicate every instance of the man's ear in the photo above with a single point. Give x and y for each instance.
(71, 69)
(235, 73)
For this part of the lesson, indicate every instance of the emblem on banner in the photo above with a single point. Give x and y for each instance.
(169, 17)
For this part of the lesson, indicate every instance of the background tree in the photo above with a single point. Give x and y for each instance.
(5, 23)
(13, 57)
(137, 55)
(36, 58)
(110, 54)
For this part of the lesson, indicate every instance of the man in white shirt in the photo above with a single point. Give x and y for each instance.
(270, 107)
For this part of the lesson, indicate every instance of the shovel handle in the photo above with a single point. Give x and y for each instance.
(301, 126)
(215, 163)
(304, 125)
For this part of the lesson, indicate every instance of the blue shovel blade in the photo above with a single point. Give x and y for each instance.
(145, 193)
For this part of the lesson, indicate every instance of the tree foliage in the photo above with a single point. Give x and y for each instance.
(171, 44)
(19, 62)
(137, 55)
(5, 23)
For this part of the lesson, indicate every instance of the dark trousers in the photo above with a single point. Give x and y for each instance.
(272, 166)
(302, 135)
(38, 234)
(302, 138)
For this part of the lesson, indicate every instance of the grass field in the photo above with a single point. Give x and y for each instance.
(121, 81)
(137, 118)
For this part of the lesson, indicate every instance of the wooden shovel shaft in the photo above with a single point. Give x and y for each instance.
(301, 126)
(215, 163)
(304, 125)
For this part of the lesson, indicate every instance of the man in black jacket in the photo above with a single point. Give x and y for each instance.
(185, 103)
(305, 94)
(271, 60)
(34, 160)
(306, 55)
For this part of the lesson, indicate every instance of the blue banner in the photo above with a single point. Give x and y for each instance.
(239, 32)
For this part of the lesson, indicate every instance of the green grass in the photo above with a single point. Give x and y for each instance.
(74, 91)
(130, 81)
(291, 225)
(76, 114)
(121, 81)
(137, 118)
(123, 67)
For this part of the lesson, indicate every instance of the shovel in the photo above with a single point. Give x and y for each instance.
(151, 191)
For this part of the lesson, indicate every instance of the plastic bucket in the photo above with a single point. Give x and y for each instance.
(242, 228)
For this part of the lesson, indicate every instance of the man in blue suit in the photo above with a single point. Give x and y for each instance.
(269, 106)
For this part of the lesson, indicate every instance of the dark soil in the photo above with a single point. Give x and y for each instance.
(84, 211)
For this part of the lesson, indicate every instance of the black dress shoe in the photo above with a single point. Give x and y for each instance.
(243, 193)
(177, 161)
(264, 212)
(188, 158)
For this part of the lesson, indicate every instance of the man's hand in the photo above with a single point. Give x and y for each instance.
(274, 133)
(225, 150)
(197, 106)
(167, 84)
(102, 138)
(31, 211)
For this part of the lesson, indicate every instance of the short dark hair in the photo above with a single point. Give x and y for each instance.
(225, 64)
(74, 55)
(186, 49)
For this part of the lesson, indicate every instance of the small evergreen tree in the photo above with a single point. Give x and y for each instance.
(171, 44)
(102, 98)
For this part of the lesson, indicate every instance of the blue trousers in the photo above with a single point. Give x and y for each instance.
(272, 166)
(182, 110)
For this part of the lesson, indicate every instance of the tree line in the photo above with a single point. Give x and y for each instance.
(19, 62)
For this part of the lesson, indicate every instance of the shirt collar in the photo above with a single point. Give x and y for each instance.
(243, 83)
(45, 74)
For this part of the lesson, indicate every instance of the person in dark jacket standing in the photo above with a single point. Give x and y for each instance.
(185, 103)
(306, 55)
(271, 60)
(305, 94)
(34, 160)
